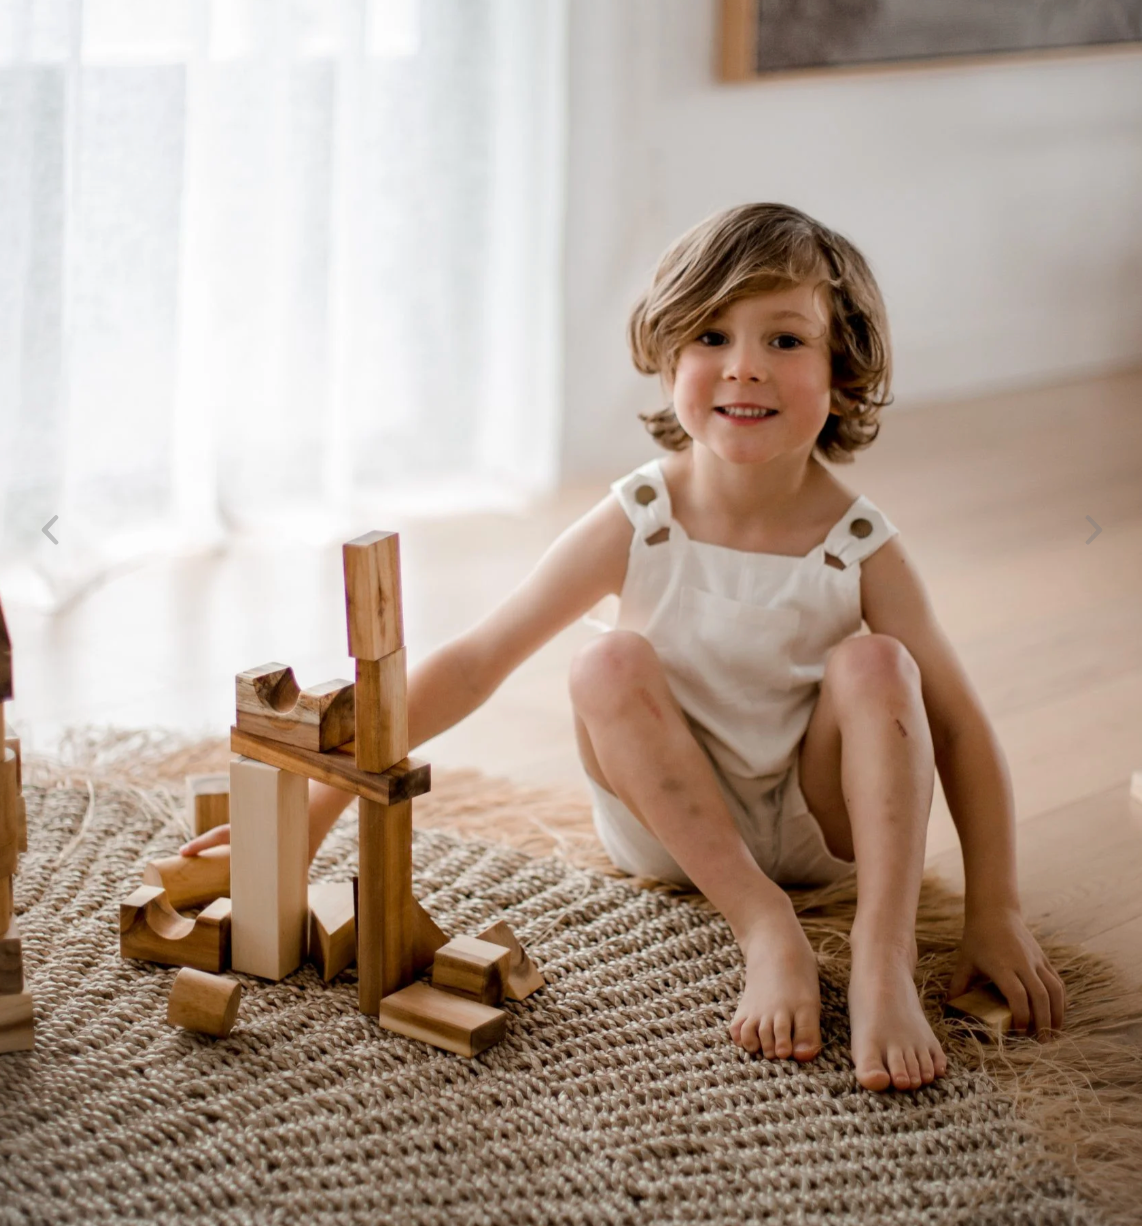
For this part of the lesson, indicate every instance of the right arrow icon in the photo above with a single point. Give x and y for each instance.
(1096, 531)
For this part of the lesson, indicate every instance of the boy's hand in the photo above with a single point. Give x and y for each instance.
(998, 945)
(212, 838)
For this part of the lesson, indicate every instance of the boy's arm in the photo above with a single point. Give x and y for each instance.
(977, 785)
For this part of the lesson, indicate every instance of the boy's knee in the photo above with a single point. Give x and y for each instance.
(873, 661)
(609, 668)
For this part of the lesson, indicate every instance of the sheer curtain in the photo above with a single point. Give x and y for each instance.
(272, 264)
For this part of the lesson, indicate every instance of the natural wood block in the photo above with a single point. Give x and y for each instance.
(472, 968)
(191, 881)
(427, 938)
(270, 704)
(16, 1028)
(381, 736)
(10, 809)
(984, 1004)
(443, 1019)
(332, 927)
(207, 801)
(6, 908)
(13, 743)
(373, 595)
(384, 901)
(338, 769)
(150, 928)
(11, 960)
(524, 977)
(5, 665)
(204, 1003)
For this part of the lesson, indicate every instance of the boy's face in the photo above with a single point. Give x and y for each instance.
(771, 351)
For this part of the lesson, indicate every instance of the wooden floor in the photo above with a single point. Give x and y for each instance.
(992, 498)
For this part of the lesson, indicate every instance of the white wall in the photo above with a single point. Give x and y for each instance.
(1000, 205)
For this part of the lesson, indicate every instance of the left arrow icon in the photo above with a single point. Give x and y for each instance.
(45, 528)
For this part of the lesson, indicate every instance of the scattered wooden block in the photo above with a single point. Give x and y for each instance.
(270, 704)
(332, 927)
(524, 977)
(6, 908)
(269, 868)
(384, 901)
(10, 810)
(474, 969)
(373, 595)
(150, 928)
(11, 960)
(16, 1029)
(443, 1019)
(204, 1003)
(984, 1004)
(13, 743)
(427, 938)
(381, 736)
(207, 801)
(191, 881)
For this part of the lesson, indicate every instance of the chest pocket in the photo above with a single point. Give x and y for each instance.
(735, 648)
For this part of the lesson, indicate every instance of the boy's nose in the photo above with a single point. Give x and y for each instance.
(745, 366)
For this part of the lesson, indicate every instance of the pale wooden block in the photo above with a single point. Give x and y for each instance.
(11, 960)
(384, 901)
(16, 1027)
(270, 704)
(191, 881)
(207, 801)
(373, 595)
(332, 927)
(151, 929)
(269, 867)
(207, 1004)
(465, 1027)
(10, 823)
(524, 977)
(381, 731)
(13, 743)
(473, 969)
(984, 1004)
(1136, 786)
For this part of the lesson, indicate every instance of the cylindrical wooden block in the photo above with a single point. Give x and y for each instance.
(205, 1003)
(191, 881)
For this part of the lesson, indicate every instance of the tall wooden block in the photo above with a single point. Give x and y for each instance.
(332, 927)
(385, 915)
(191, 881)
(381, 733)
(16, 1032)
(11, 961)
(373, 595)
(269, 866)
(10, 813)
(207, 801)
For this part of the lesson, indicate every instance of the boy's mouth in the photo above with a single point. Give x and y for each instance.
(744, 411)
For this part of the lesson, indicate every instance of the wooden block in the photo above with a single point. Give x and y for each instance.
(13, 743)
(381, 729)
(16, 1029)
(984, 1004)
(191, 881)
(150, 928)
(332, 927)
(442, 1019)
(1136, 786)
(270, 704)
(5, 665)
(524, 977)
(269, 868)
(427, 938)
(384, 901)
(207, 801)
(473, 969)
(11, 961)
(373, 595)
(207, 1004)
(338, 769)
(6, 908)
(10, 808)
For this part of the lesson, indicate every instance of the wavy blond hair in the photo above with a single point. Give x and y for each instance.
(752, 249)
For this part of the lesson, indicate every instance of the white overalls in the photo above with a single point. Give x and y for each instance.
(743, 638)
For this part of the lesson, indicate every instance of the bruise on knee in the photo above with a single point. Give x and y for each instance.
(647, 700)
(901, 729)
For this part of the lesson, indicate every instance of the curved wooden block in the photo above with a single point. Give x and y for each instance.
(270, 704)
(150, 928)
(191, 881)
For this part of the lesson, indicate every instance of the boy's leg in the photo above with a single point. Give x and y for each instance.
(867, 773)
(637, 744)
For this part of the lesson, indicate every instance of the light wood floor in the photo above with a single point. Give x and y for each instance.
(991, 497)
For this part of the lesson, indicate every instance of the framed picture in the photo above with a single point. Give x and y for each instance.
(765, 37)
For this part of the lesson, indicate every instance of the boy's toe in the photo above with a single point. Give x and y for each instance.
(912, 1063)
(747, 1034)
(783, 1035)
(927, 1067)
(939, 1061)
(871, 1071)
(765, 1035)
(806, 1034)
(898, 1067)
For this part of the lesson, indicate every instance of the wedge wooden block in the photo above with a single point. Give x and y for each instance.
(207, 801)
(465, 1027)
(207, 1004)
(474, 969)
(191, 881)
(269, 868)
(427, 938)
(381, 729)
(11, 960)
(270, 704)
(384, 901)
(332, 927)
(11, 822)
(150, 928)
(373, 595)
(524, 977)
(17, 1032)
(984, 1004)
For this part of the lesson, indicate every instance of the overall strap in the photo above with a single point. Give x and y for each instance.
(644, 497)
(859, 533)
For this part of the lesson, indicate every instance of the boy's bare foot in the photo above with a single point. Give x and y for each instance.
(780, 1009)
(892, 1043)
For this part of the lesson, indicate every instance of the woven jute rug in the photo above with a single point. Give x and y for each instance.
(616, 1097)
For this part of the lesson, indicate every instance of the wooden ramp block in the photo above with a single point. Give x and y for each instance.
(269, 868)
(524, 977)
(150, 928)
(476, 970)
(384, 901)
(207, 801)
(442, 1019)
(984, 1004)
(332, 927)
(207, 1004)
(10, 813)
(373, 595)
(11, 960)
(381, 731)
(191, 881)
(270, 704)
(16, 1029)
(427, 938)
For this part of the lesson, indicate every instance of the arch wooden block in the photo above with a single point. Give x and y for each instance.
(270, 704)
(207, 1004)
(207, 801)
(150, 928)
(191, 881)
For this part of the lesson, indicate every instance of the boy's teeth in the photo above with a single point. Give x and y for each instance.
(731, 411)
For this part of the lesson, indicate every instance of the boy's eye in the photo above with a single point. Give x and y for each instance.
(787, 337)
(711, 338)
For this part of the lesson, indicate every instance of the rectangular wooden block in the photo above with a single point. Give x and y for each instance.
(381, 728)
(406, 779)
(332, 927)
(16, 1029)
(269, 868)
(6, 908)
(270, 704)
(151, 929)
(384, 901)
(442, 1019)
(191, 881)
(207, 801)
(10, 814)
(11, 961)
(984, 1004)
(373, 595)
(471, 968)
